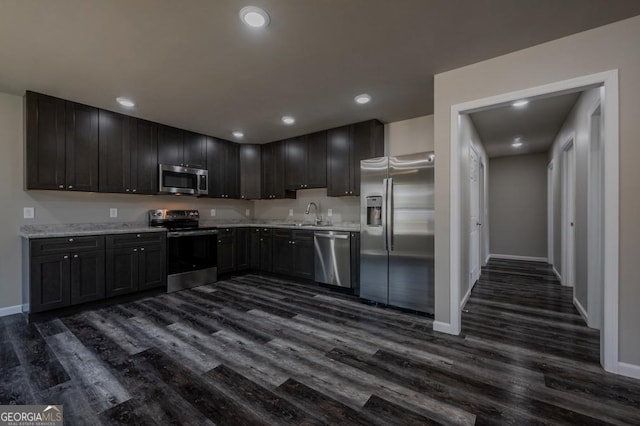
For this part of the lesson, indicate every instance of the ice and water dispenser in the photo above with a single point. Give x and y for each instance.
(374, 210)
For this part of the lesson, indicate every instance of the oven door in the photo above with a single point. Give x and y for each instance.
(191, 258)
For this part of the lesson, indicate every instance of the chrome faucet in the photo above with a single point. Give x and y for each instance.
(318, 217)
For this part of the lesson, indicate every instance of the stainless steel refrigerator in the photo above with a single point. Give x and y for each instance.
(397, 231)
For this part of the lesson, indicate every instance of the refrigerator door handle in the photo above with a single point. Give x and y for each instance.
(390, 214)
(384, 213)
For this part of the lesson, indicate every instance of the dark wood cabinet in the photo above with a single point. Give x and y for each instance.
(273, 159)
(346, 147)
(293, 253)
(135, 262)
(243, 249)
(355, 262)
(254, 249)
(223, 160)
(250, 172)
(179, 147)
(306, 162)
(64, 272)
(62, 144)
(128, 154)
(226, 250)
(266, 250)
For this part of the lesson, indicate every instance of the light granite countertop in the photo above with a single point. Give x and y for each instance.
(79, 229)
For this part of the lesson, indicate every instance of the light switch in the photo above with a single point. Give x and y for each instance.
(329, 212)
(29, 213)
(290, 212)
(213, 212)
(113, 212)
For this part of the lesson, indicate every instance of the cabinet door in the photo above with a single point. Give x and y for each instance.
(114, 140)
(242, 248)
(295, 166)
(282, 253)
(215, 165)
(152, 267)
(45, 142)
(170, 141)
(49, 282)
(122, 271)
(266, 250)
(81, 165)
(232, 170)
(194, 151)
(226, 251)
(368, 142)
(339, 161)
(144, 157)
(355, 262)
(87, 276)
(317, 160)
(267, 153)
(250, 172)
(254, 249)
(302, 255)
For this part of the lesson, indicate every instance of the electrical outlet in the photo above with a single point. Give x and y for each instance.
(247, 212)
(113, 212)
(29, 213)
(290, 212)
(213, 212)
(329, 212)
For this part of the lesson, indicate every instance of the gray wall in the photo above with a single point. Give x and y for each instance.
(52, 207)
(576, 128)
(609, 47)
(518, 205)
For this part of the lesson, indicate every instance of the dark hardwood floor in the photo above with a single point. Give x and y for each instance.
(261, 350)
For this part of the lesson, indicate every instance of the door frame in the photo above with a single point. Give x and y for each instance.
(610, 111)
(474, 277)
(568, 248)
(550, 221)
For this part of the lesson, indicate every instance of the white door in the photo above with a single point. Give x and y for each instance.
(474, 217)
(595, 215)
(568, 210)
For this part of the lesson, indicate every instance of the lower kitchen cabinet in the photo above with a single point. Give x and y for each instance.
(293, 253)
(226, 250)
(122, 271)
(87, 277)
(266, 250)
(254, 248)
(355, 262)
(243, 249)
(50, 282)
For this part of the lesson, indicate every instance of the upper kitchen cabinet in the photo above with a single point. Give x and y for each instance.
(273, 159)
(128, 154)
(346, 147)
(177, 147)
(306, 161)
(62, 144)
(223, 162)
(250, 176)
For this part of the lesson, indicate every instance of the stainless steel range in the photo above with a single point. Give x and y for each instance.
(191, 249)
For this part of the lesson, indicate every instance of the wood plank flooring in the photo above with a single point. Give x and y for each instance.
(262, 350)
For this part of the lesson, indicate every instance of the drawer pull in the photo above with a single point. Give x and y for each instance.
(135, 249)
(75, 256)
(142, 249)
(138, 235)
(70, 240)
(65, 257)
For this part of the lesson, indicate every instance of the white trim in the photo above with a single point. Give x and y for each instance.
(443, 327)
(568, 248)
(581, 310)
(555, 271)
(629, 370)
(513, 257)
(488, 258)
(465, 299)
(10, 310)
(550, 206)
(610, 111)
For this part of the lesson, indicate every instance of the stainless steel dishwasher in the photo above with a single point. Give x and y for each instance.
(333, 258)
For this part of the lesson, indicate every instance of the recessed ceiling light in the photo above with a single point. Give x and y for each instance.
(254, 16)
(516, 144)
(238, 134)
(125, 102)
(520, 103)
(362, 99)
(288, 120)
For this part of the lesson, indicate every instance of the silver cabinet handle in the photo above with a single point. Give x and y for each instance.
(135, 249)
(75, 256)
(138, 235)
(70, 187)
(65, 257)
(70, 240)
(61, 186)
(142, 249)
(134, 190)
(126, 190)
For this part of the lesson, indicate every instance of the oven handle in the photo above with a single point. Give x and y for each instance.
(175, 234)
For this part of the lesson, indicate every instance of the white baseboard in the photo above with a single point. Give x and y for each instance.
(629, 370)
(512, 257)
(10, 310)
(443, 327)
(487, 259)
(581, 309)
(555, 271)
(466, 297)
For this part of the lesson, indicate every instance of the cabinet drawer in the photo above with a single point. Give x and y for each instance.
(225, 232)
(135, 240)
(46, 246)
(282, 233)
(303, 235)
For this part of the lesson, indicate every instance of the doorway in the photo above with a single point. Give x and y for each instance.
(474, 217)
(568, 213)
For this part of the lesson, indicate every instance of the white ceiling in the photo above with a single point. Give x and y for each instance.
(537, 124)
(194, 65)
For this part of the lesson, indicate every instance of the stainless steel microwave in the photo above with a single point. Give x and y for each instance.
(183, 180)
